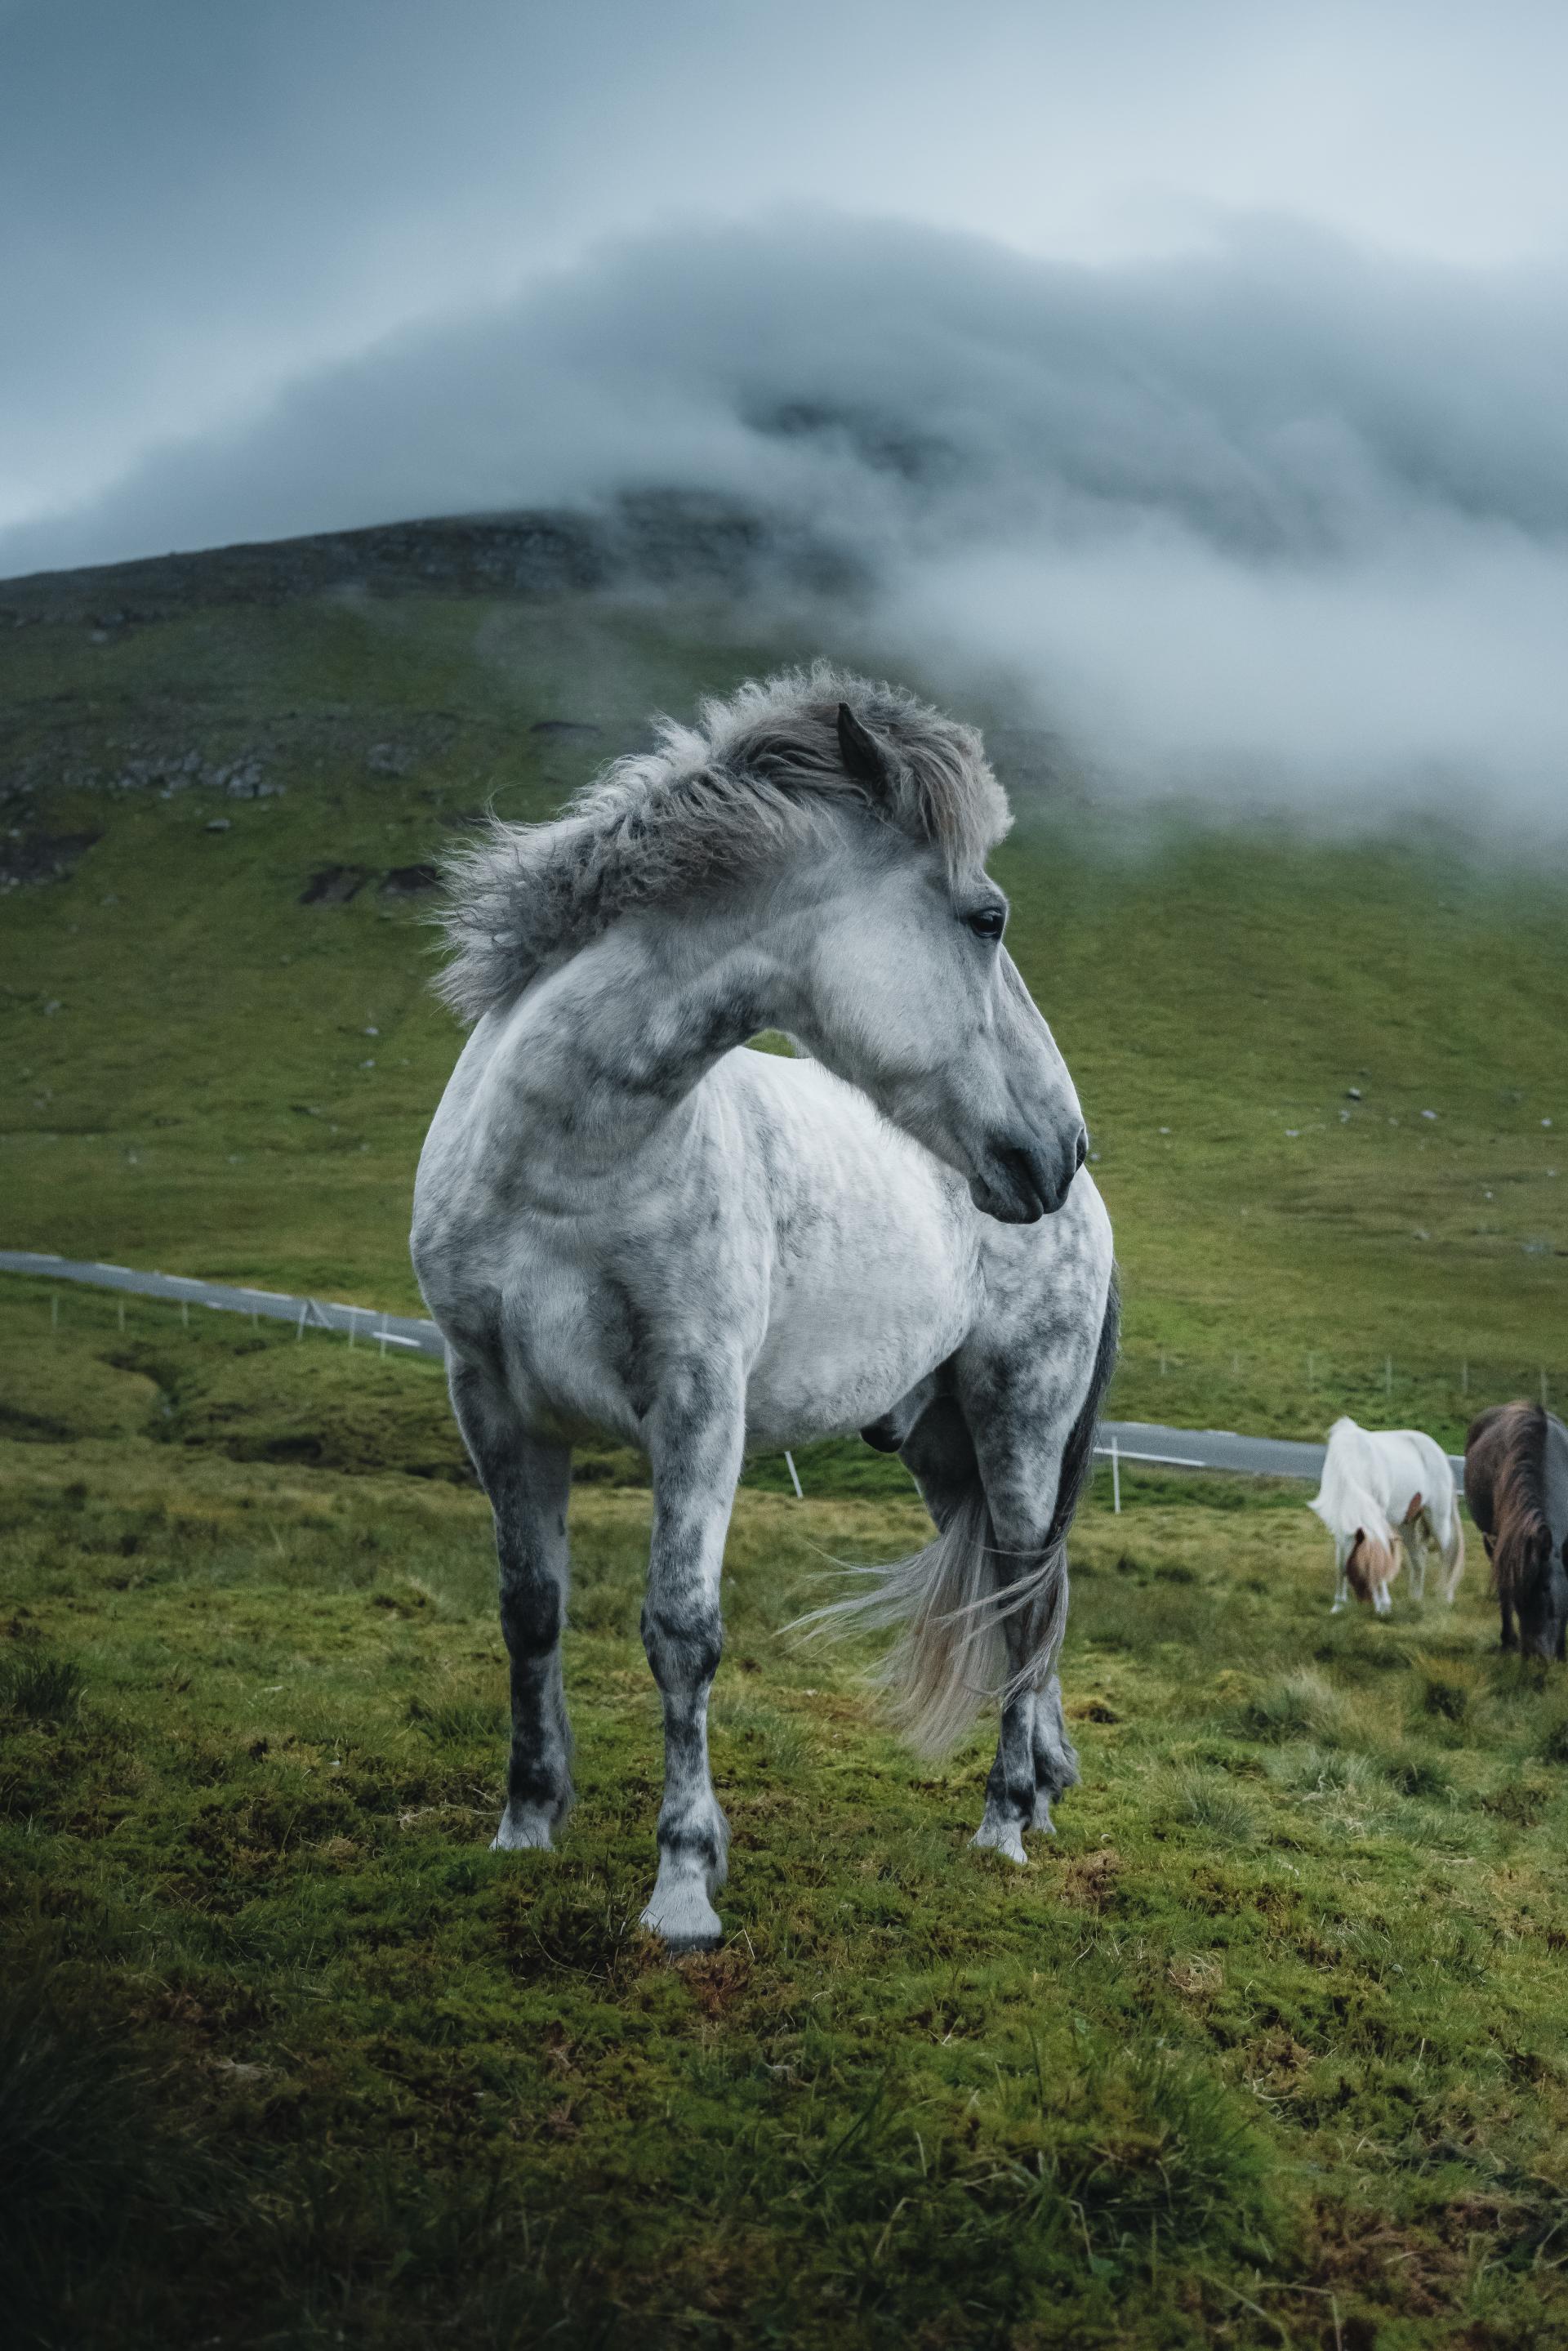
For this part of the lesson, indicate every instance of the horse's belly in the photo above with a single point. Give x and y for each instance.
(843, 1347)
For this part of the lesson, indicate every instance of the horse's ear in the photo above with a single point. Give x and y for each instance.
(861, 752)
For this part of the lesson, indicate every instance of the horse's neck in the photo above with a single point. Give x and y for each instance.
(604, 1058)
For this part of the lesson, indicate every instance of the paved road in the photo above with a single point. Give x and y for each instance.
(307, 1313)
(1134, 1440)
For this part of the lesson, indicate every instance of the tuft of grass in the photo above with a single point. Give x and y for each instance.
(41, 1689)
(1446, 1690)
(1412, 1773)
(1297, 1705)
(1211, 1806)
(456, 1722)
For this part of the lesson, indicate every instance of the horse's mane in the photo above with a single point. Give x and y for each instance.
(1519, 1496)
(711, 803)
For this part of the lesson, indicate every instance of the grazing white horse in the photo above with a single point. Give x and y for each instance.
(622, 1223)
(1384, 1491)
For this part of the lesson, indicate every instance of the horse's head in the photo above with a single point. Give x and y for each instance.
(911, 995)
(1369, 1565)
(1538, 1575)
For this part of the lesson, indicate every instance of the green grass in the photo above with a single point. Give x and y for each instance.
(1266, 2047)
(187, 1040)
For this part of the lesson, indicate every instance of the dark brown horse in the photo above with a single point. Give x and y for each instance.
(1516, 1483)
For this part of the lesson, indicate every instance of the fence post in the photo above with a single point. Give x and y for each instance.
(353, 1322)
(383, 1338)
(1389, 1375)
(304, 1310)
(794, 1479)
(1311, 1359)
(120, 1313)
(54, 1311)
(1116, 1479)
(185, 1313)
(1464, 1378)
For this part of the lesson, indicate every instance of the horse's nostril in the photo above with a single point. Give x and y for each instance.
(1081, 1148)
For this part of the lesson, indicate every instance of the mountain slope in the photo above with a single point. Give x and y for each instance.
(225, 779)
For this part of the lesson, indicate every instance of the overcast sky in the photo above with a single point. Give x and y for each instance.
(1072, 314)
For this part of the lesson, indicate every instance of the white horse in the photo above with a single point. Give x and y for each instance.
(1383, 1493)
(623, 1223)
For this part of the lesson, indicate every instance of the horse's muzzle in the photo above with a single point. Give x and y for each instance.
(1021, 1182)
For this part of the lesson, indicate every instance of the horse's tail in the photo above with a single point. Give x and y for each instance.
(953, 1600)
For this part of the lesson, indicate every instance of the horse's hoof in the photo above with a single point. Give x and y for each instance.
(684, 1922)
(522, 1832)
(1004, 1837)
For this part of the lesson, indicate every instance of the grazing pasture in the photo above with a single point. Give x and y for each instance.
(1267, 2047)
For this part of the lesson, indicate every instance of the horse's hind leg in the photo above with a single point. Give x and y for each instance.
(528, 1484)
(1034, 1761)
(1055, 1757)
(695, 1440)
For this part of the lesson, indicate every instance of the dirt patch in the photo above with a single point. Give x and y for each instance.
(334, 885)
(1089, 1882)
(409, 881)
(41, 856)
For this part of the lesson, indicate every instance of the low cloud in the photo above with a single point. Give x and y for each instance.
(1281, 520)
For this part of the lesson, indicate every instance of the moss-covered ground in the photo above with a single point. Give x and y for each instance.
(1267, 2047)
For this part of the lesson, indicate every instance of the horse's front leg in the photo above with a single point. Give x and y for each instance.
(528, 1484)
(695, 1440)
(530, 1506)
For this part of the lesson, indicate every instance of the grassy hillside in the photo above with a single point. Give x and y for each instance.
(210, 1076)
(1265, 2049)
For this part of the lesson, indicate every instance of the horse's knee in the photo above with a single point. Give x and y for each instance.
(531, 1616)
(684, 1642)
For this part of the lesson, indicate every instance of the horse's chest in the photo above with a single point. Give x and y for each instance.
(593, 1332)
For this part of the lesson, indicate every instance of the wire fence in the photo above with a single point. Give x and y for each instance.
(1301, 1392)
(1175, 1408)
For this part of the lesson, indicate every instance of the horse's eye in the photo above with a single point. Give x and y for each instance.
(988, 922)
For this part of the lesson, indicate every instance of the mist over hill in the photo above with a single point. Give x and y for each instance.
(1278, 524)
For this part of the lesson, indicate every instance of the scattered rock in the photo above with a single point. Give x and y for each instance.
(219, 824)
(334, 885)
(409, 881)
(392, 758)
(1353, 1093)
